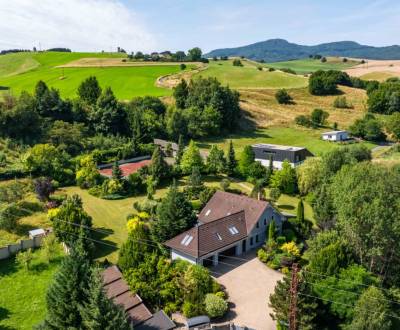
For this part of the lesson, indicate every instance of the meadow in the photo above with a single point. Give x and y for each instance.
(22, 71)
(248, 76)
(308, 65)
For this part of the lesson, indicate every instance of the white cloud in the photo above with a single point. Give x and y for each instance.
(82, 25)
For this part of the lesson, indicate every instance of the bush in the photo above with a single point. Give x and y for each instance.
(189, 309)
(287, 70)
(182, 66)
(319, 117)
(303, 120)
(24, 259)
(281, 240)
(224, 184)
(322, 83)
(215, 306)
(341, 103)
(289, 235)
(283, 97)
(262, 255)
(271, 69)
(237, 62)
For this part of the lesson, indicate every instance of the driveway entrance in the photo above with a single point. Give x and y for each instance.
(248, 283)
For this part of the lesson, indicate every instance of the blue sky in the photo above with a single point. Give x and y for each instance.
(181, 24)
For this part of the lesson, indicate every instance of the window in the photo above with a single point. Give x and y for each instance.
(208, 212)
(186, 240)
(256, 238)
(265, 221)
(272, 217)
(257, 225)
(218, 236)
(233, 230)
(251, 241)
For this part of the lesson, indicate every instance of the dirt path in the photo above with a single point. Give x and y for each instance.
(171, 80)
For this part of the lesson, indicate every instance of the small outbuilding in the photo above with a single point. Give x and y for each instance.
(335, 136)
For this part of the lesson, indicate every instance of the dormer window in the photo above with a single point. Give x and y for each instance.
(208, 212)
(218, 236)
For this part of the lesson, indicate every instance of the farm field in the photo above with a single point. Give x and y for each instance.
(377, 75)
(23, 293)
(376, 66)
(308, 138)
(308, 65)
(126, 82)
(265, 111)
(248, 76)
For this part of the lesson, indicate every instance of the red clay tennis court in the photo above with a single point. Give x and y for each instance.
(127, 168)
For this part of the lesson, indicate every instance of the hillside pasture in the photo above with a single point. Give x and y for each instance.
(308, 65)
(377, 67)
(263, 109)
(126, 82)
(248, 76)
(378, 75)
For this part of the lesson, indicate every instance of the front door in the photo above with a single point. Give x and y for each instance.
(244, 246)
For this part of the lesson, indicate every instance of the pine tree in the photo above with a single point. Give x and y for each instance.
(271, 231)
(158, 167)
(136, 129)
(174, 215)
(215, 160)
(191, 158)
(179, 153)
(116, 172)
(231, 162)
(99, 312)
(300, 212)
(68, 290)
(246, 160)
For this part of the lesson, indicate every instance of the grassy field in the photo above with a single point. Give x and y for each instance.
(308, 138)
(126, 82)
(23, 293)
(248, 76)
(380, 76)
(265, 111)
(308, 65)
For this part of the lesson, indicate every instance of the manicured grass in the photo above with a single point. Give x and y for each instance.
(308, 138)
(23, 293)
(13, 64)
(266, 111)
(308, 65)
(248, 76)
(126, 82)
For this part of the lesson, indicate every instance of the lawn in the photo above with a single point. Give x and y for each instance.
(308, 65)
(126, 82)
(248, 76)
(265, 111)
(23, 293)
(300, 137)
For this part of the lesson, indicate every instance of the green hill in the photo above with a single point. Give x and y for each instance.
(249, 76)
(274, 50)
(22, 71)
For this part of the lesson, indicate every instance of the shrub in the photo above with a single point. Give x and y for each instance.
(281, 240)
(321, 83)
(237, 62)
(289, 235)
(224, 184)
(274, 194)
(323, 60)
(291, 249)
(271, 69)
(262, 255)
(189, 309)
(50, 248)
(221, 294)
(303, 120)
(341, 103)
(259, 68)
(283, 97)
(215, 306)
(182, 66)
(287, 70)
(319, 117)
(24, 259)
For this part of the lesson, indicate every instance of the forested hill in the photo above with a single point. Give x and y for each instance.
(281, 50)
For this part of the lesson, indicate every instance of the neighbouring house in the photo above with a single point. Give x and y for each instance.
(138, 314)
(335, 136)
(229, 224)
(294, 155)
(127, 166)
(168, 148)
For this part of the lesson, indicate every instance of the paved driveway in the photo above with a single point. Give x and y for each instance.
(249, 284)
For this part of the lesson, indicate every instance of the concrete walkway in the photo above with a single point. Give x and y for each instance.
(248, 283)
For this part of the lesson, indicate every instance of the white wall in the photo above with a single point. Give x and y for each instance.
(335, 137)
(275, 164)
(179, 255)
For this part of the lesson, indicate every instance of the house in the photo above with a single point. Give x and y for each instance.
(294, 155)
(168, 148)
(229, 224)
(127, 166)
(138, 314)
(335, 136)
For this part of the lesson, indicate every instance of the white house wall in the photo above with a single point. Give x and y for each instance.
(275, 164)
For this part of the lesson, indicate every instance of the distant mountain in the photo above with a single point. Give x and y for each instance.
(275, 50)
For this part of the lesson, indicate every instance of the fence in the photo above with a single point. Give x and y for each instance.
(24, 244)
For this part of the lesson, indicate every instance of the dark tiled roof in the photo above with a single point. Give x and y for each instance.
(118, 290)
(224, 203)
(280, 153)
(159, 321)
(211, 236)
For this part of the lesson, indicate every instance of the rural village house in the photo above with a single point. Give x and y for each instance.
(335, 136)
(294, 155)
(229, 224)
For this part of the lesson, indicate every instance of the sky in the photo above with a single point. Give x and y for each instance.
(157, 25)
